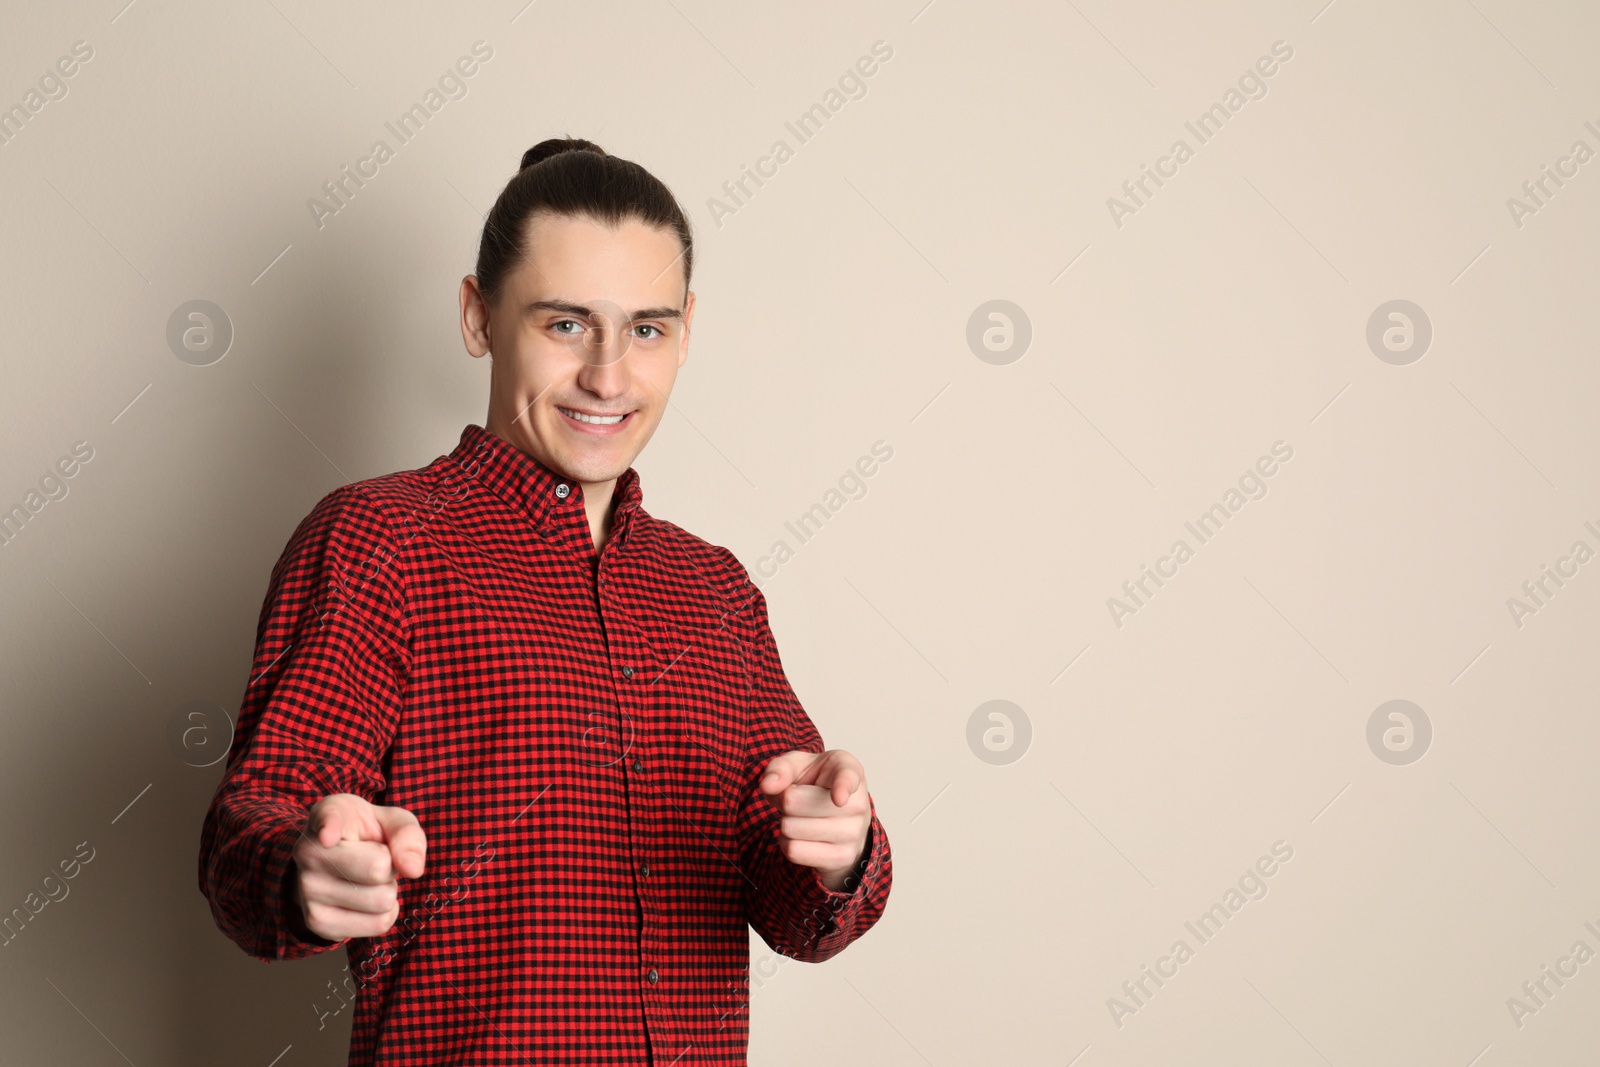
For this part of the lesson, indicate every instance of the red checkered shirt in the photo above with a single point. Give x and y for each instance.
(580, 735)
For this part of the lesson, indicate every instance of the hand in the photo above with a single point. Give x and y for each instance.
(347, 858)
(826, 810)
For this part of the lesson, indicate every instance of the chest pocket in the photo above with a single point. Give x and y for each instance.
(697, 685)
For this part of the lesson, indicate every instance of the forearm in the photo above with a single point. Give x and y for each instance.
(246, 868)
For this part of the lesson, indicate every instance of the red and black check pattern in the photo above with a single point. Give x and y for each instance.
(580, 735)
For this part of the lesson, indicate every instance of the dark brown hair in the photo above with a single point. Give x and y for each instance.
(571, 176)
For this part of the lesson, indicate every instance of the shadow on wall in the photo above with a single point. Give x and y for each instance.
(147, 581)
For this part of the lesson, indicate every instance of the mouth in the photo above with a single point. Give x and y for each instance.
(594, 422)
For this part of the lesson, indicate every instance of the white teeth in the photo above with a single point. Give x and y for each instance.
(598, 420)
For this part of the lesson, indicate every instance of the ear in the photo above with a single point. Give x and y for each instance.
(688, 315)
(474, 317)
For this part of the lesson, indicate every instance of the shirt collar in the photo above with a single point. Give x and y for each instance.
(548, 498)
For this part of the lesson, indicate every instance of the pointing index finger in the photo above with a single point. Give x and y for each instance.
(811, 800)
(842, 776)
(845, 783)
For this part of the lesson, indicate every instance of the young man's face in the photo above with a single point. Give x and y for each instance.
(593, 322)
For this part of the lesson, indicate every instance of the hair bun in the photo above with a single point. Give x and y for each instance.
(555, 146)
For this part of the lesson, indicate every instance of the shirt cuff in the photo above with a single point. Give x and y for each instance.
(293, 939)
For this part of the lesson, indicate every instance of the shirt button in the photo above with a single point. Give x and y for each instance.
(562, 490)
(653, 976)
(627, 672)
(638, 766)
(645, 870)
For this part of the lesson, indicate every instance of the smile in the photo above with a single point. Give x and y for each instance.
(596, 420)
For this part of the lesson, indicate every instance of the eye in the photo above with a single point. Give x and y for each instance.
(649, 326)
(566, 322)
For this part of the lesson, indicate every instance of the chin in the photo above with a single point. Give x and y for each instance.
(593, 468)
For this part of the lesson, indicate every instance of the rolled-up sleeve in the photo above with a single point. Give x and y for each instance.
(322, 704)
(789, 905)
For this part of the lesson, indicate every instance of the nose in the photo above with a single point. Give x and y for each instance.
(605, 372)
(609, 335)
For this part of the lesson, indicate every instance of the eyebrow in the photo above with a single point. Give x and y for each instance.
(566, 307)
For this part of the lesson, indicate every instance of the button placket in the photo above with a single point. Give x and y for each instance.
(647, 940)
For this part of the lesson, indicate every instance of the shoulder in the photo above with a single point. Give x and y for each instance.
(689, 554)
(685, 556)
(383, 506)
(357, 526)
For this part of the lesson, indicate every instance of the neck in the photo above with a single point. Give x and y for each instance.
(598, 498)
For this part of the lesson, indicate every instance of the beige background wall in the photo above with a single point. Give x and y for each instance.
(1168, 353)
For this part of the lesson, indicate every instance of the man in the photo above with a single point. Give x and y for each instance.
(526, 750)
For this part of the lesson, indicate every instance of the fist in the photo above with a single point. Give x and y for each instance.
(347, 862)
(825, 807)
